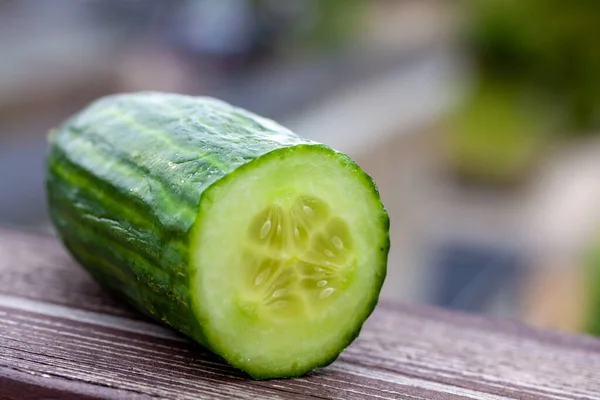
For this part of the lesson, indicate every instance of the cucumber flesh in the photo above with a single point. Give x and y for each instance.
(288, 260)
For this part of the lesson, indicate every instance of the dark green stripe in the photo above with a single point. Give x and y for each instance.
(164, 172)
(85, 154)
(134, 198)
(124, 280)
(173, 140)
(135, 264)
(80, 182)
(150, 292)
(164, 253)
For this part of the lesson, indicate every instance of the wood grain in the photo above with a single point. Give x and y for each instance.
(61, 336)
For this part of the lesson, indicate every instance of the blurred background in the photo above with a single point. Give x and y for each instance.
(479, 121)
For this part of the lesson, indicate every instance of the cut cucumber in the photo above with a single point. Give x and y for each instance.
(266, 248)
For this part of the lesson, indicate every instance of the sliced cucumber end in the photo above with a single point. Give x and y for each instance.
(289, 255)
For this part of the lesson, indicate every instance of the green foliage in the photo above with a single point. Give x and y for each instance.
(550, 46)
(336, 20)
(544, 51)
(592, 321)
(496, 135)
(321, 24)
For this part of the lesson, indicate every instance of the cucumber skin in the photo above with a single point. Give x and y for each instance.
(125, 178)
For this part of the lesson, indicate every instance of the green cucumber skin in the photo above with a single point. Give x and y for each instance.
(125, 178)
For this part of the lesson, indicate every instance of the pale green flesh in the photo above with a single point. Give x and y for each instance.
(297, 259)
(287, 261)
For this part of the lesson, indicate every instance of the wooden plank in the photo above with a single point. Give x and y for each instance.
(62, 336)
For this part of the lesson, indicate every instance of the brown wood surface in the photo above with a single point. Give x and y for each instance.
(61, 336)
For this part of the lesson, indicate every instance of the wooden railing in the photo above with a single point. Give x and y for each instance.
(61, 336)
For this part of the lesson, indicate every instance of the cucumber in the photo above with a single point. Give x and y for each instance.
(266, 248)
